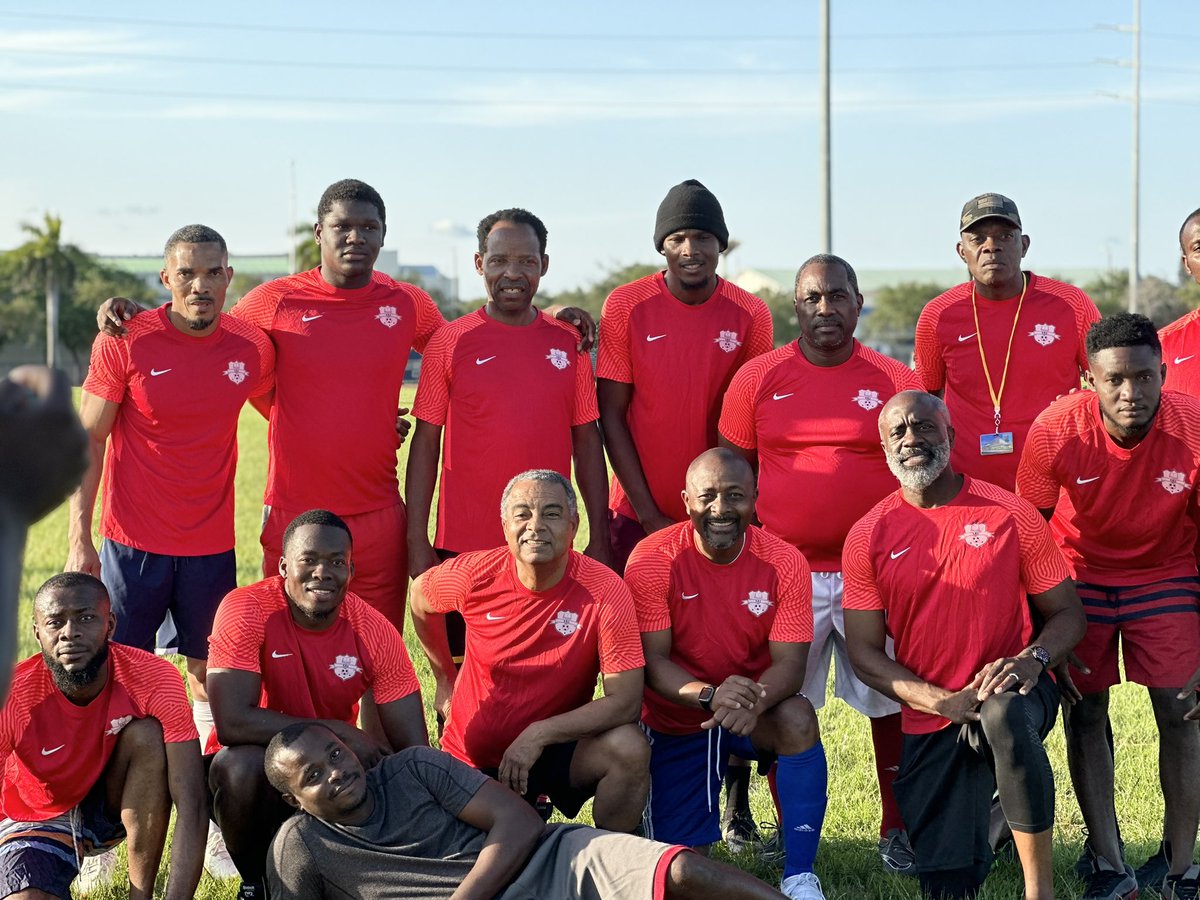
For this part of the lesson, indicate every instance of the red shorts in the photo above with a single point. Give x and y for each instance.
(380, 555)
(1158, 626)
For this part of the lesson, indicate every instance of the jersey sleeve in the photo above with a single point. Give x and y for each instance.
(394, 677)
(1042, 563)
(648, 577)
(585, 409)
(762, 331)
(292, 871)
(1086, 315)
(238, 633)
(620, 640)
(794, 621)
(927, 352)
(266, 363)
(257, 307)
(447, 585)
(448, 781)
(736, 424)
(860, 590)
(429, 320)
(613, 361)
(433, 386)
(1035, 475)
(108, 369)
(159, 687)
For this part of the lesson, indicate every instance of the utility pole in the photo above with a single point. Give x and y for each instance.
(1135, 213)
(291, 236)
(826, 197)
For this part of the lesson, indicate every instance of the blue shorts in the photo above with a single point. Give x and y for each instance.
(144, 586)
(686, 771)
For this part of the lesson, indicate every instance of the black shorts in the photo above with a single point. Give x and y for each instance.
(551, 775)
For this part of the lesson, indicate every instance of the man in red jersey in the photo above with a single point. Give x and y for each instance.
(1181, 339)
(299, 646)
(167, 399)
(944, 566)
(669, 344)
(542, 622)
(1116, 470)
(805, 415)
(1001, 347)
(726, 619)
(96, 744)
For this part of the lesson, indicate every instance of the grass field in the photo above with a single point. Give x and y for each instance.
(847, 862)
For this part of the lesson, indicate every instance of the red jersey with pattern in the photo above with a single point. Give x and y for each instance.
(168, 472)
(680, 360)
(340, 358)
(1048, 355)
(530, 654)
(816, 432)
(482, 379)
(309, 674)
(1121, 517)
(722, 617)
(952, 582)
(1181, 352)
(52, 752)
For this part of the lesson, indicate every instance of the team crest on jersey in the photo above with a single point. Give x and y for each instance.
(867, 399)
(115, 726)
(1173, 482)
(558, 358)
(727, 341)
(1045, 334)
(976, 535)
(346, 667)
(758, 602)
(388, 316)
(236, 372)
(565, 623)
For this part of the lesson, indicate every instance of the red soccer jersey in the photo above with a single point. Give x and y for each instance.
(679, 359)
(310, 674)
(52, 752)
(168, 473)
(530, 654)
(952, 582)
(342, 353)
(1048, 354)
(816, 432)
(722, 617)
(1181, 353)
(478, 378)
(1121, 517)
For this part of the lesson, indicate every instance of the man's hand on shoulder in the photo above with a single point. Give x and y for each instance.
(579, 319)
(114, 313)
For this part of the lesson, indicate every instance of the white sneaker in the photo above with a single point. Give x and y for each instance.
(96, 872)
(805, 886)
(217, 861)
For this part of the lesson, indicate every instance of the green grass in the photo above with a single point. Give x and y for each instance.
(847, 862)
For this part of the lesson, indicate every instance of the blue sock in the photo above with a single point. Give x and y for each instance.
(803, 782)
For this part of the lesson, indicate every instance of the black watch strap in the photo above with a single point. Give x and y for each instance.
(1041, 654)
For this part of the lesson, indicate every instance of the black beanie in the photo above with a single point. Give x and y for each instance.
(690, 205)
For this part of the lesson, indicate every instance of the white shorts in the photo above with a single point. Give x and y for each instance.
(829, 640)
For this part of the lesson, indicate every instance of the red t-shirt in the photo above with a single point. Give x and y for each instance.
(481, 379)
(679, 359)
(1121, 517)
(1181, 352)
(168, 473)
(722, 617)
(530, 655)
(952, 582)
(339, 368)
(310, 674)
(52, 752)
(816, 431)
(1048, 354)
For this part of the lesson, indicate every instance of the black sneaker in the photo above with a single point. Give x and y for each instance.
(1151, 873)
(1083, 865)
(1182, 887)
(740, 833)
(897, 854)
(252, 890)
(1108, 884)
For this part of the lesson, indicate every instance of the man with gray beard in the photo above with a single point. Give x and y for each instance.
(943, 566)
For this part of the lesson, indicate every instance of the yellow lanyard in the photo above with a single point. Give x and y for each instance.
(996, 395)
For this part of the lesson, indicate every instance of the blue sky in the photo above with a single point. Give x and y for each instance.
(131, 119)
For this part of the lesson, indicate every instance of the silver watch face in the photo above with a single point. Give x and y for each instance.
(1041, 655)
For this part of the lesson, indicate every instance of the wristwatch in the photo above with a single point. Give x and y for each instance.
(705, 697)
(1041, 655)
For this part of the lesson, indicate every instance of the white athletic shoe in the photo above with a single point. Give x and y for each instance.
(217, 861)
(805, 886)
(96, 872)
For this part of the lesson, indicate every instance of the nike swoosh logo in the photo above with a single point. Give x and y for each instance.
(493, 618)
(654, 337)
(690, 596)
(901, 553)
(480, 362)
(311, 318)
(46, 752)
(275, 654)
(781, 396)
(1180, 359)
(1086, 480)
(157, 372)
(967, 337)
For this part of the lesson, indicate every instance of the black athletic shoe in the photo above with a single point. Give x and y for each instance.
(1083, 865)
(1109, 884)
(1182, 887)
(1151, 873)
(897, 854)
(740, 833)
(252, 890)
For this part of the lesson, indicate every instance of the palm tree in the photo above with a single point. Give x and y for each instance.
(45, 260)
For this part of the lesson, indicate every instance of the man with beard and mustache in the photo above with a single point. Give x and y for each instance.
(725, 611)
(299, 646)
(944, 566)
(96, 744)
(1116, 470)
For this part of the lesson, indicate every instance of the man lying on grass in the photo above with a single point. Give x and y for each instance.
(421, 824)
